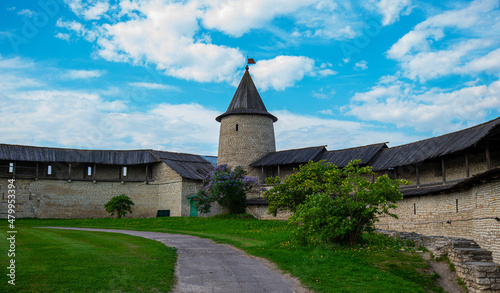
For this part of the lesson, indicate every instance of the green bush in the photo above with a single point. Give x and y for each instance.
(120, 204)
(334, 205)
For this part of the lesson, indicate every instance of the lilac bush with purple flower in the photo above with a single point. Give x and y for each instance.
(227, 187)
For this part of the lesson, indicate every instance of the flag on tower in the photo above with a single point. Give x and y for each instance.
(251, 61)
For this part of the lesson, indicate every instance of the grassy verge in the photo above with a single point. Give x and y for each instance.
(377, 266)
(49, 260)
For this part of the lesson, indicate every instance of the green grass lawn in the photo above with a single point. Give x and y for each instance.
(49, 260)
(377, 266)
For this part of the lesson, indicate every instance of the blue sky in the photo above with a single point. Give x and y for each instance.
(155, 74)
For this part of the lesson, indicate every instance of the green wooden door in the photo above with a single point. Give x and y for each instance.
(193, 211)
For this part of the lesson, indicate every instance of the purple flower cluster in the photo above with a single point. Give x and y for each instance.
(225, 186)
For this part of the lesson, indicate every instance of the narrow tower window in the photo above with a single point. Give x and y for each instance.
(456, 205)
(49, 170)
(124, 171)
(236, 127)
(89, 171)
(11, 167)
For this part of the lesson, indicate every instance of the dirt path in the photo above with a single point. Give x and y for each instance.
(203, 266)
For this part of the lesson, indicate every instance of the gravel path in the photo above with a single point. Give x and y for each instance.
(203, 266)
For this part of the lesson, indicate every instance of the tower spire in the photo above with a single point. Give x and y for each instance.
(246, 100)
(246, 128)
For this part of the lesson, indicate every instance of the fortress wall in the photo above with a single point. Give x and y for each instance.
(76, 199)
(62, 198)
(169, 184)
(455, 168)
(471, 214)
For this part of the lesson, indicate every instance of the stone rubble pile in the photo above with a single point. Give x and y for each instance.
(474, 265)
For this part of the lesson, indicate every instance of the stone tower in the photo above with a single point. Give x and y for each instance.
(246, 128)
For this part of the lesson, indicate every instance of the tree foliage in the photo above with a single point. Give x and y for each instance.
(332, 204)
(120, 204)
(227, 187)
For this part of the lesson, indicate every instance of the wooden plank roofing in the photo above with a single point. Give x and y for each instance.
(433, 147)
(364, 153)
(454, 186)
(380, 157)
(338, 157)
(187, 165)
(45, 154)
(288, 157)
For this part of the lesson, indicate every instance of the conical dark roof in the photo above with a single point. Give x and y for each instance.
(246, 100)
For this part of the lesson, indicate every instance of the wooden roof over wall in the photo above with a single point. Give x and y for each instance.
(434, 147)
(381, 157)
(187, 165)
(454, 186)
(364, 153)
(289, 157)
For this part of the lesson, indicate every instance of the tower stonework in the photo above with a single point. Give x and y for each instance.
(246, 130)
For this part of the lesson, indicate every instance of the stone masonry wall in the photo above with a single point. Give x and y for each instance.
(260, 212)
(468, 214)
(169, 187)
(76, 199)
(52, 198)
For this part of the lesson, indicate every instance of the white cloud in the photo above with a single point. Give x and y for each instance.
(435, 110)
(15, 63)
(417, 54)
(314, 131)
(81, 74)
(89, 10)
(35, 113)
(26, 13)
(165, 34)
(413, 40)
(11, 82)
(327, 72)
(172, 35)
(329, 20)
(473, 17)
(63, 36)
(77, 28)
(489, 63)
(361, 65)
(236, 17)
(59, 117)
(320, 95)
(155, 86)
(431, 65)
(282, 71)
(390, 9)
(86, 120)
(326, 112)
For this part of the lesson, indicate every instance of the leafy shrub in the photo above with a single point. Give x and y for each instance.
(120, 204)
(334, 205)
(273, 180)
